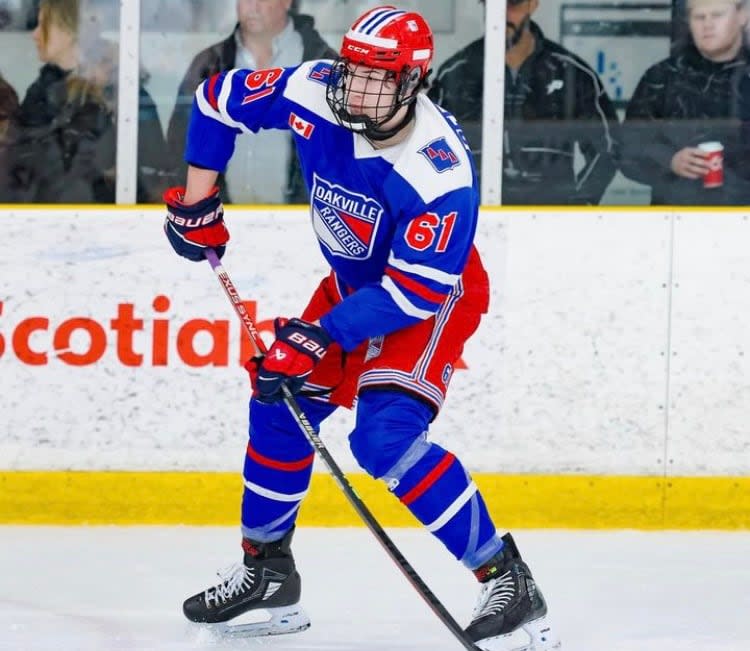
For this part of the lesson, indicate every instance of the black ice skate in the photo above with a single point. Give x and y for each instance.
(511, 614)
(257, 597)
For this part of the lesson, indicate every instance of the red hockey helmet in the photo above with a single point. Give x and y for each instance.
(385, 38)
(390, 38)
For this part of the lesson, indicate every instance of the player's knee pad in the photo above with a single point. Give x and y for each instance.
(388, 423)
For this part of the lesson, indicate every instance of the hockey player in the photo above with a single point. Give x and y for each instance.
(394, 205)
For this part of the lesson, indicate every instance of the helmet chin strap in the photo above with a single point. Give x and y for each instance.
(516, 32)
(377, 133)
(408, 92)
(372, 130)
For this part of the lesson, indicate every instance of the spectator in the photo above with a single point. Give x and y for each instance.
(100, 65)
(8, 105)
(687, 99)
(743, 113)
(553, 102)
(8, 108)
(264, 169)
(62, 141)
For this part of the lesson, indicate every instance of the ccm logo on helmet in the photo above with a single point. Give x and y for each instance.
(196, 221)
(357, 48)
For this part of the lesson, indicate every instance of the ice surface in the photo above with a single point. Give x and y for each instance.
(114, 588)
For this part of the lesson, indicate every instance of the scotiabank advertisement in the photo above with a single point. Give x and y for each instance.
(117, 353)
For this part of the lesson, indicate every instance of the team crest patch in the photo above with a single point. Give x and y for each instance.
(440, 155)
(320, 73)
(374, 347)
(345, 222)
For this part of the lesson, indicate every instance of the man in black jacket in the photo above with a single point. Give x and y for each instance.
(553, 101)
(270, 34)
(691, 98)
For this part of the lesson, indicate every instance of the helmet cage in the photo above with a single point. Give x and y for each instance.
(376, 112)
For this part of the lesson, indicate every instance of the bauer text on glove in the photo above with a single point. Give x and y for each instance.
(298, 347)
(191, 228)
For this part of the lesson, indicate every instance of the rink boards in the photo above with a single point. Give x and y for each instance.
(607, 387)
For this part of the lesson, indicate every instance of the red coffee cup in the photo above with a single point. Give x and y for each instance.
(714, 151)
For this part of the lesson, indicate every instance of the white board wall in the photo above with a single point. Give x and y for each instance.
(615, 343)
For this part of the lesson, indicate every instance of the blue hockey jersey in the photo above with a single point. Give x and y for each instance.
(395, 224)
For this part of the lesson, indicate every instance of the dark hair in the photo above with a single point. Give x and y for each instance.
(294, 8)
(8, 100)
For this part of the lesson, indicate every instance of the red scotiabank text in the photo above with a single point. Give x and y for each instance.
(131, 338)
(163, 342)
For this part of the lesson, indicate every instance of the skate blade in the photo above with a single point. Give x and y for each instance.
(536, 635)
(262, 622)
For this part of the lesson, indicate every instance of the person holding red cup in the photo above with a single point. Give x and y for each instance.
(681, 129)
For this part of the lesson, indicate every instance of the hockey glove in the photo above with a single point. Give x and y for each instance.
(299, 346)
(252, 366)
(191, 228)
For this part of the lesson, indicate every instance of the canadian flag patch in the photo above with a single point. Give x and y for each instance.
(300, 126)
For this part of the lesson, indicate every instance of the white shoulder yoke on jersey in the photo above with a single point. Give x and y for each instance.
(432, 126)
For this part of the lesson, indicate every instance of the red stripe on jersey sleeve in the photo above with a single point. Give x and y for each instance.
(211, 92)
(415, 287)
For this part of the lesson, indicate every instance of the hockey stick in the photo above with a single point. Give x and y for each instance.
(359, 506)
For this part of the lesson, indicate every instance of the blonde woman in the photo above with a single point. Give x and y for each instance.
(63, 136)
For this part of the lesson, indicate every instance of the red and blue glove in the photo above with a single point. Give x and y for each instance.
(299, 346)
(191, 228)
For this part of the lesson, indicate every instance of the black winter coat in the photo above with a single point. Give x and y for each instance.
(219, 58)
(681, 102)
(553, 102)
(154, 172)
(8, 100)
(59, 151)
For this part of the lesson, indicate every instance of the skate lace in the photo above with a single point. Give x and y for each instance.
(234, 580)
(495, 595)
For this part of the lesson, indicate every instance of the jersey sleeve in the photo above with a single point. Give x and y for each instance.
(233, 102)
(428, 254)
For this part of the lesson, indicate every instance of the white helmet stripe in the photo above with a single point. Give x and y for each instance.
(375, 41)
(379, 19)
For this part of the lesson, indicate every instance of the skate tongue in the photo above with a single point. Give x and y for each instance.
(498, 562)
(487, 571)
(250, 548)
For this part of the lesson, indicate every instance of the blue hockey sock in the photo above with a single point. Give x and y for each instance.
(442, 496)
(278, 467)
(390, 442)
